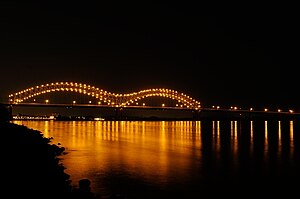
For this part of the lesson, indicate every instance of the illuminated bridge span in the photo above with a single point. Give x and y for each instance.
(104, 97)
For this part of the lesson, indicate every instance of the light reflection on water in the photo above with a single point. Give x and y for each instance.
(144, 159)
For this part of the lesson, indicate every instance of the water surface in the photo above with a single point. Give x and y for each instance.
(179, 159)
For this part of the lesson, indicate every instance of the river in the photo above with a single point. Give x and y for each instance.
(179, 159)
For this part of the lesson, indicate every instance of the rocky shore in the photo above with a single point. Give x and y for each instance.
(31, 165)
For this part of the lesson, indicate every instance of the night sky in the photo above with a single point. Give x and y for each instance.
(220, 54)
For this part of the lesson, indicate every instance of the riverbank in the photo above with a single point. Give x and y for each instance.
(30, 164)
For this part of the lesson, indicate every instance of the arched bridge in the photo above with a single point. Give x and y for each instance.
(111, 99)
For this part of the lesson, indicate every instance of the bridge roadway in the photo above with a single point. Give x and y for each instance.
(200, 113)
(92, 106)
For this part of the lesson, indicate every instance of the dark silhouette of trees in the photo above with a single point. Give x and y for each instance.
(5, 113)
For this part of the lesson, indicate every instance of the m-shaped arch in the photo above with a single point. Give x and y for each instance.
(113, 99)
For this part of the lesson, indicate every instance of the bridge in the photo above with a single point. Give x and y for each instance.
(106, 99)
(102, 96)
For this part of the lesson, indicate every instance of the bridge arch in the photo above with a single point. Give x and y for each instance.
(113, 99)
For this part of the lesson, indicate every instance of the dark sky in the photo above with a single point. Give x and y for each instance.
(230, 54)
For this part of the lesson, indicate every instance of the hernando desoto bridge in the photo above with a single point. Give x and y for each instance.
(105, 99)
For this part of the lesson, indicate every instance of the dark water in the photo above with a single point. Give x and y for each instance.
(181, 159)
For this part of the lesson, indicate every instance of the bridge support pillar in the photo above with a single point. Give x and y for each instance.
(196, 114)
(119, 113)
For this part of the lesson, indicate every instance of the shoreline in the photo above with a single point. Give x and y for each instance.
(33, 167)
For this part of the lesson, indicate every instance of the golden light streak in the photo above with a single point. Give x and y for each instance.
(251, 137)
(279, 138)
(291, 138)
(266, 138)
